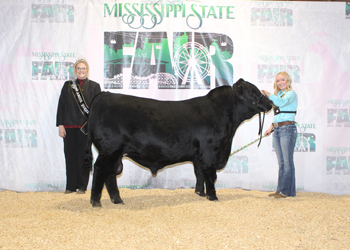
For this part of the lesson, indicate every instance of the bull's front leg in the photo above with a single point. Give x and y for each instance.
(112, 188)
(199, 180)
(210, 178)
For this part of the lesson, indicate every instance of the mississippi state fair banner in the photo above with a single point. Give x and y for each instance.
(175, 50)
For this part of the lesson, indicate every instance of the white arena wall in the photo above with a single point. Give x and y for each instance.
(138, 48)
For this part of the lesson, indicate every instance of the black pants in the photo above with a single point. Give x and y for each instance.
(74, 151)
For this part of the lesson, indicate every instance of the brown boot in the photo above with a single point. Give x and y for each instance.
(280, 196)
(273, 194)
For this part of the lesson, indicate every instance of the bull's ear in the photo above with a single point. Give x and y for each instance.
(240, 80)
(240, 83)
(239, 86)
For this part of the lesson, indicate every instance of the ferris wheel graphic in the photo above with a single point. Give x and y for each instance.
(192, 62)
(61, 72)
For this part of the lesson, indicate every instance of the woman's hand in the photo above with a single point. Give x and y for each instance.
(266, 93)
(61, 131)
(269, 131)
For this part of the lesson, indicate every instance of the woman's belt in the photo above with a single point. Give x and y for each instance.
(279, 124)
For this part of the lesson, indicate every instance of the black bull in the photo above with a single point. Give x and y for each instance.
(156, 134)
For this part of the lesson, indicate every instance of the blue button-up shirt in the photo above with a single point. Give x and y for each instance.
(289, 102)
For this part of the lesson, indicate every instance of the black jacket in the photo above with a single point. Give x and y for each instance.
(68, 112)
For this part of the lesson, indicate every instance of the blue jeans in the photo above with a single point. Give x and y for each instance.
(284, 139)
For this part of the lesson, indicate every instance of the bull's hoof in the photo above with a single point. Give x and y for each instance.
(117, 200)
(200, 193)
(95, 203)
(212, 198)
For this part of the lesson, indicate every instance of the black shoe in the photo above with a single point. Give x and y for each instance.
(81, 191)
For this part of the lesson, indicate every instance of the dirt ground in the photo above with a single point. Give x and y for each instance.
(174, 219)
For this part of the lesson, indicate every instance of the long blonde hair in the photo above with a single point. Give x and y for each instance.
(289, 81)
(82, 60)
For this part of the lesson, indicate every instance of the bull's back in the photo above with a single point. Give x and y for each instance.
(119, 109)
(147, 124)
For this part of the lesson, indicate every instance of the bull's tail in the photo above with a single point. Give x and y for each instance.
(87, 167)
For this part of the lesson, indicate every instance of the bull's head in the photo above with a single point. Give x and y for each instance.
(253, 99)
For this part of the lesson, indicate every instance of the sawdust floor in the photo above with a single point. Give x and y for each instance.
(174, 219)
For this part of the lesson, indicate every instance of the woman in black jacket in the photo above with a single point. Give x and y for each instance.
(72, 113)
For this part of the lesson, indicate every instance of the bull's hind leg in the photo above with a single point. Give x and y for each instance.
(199, 180)
(111, 184)
(96, 189)
(103, 167)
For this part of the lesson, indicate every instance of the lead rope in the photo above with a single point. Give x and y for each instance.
(250, 143)
(241, 148)
(261, 125)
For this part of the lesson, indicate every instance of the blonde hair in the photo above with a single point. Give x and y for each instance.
(289, 82)
(82, 60)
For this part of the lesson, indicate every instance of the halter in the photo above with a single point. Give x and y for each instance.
(261, 124)
(252, 102)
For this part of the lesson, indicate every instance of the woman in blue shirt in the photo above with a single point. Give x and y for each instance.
(285, 133)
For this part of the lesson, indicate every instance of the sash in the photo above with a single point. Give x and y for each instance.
(79, 98)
